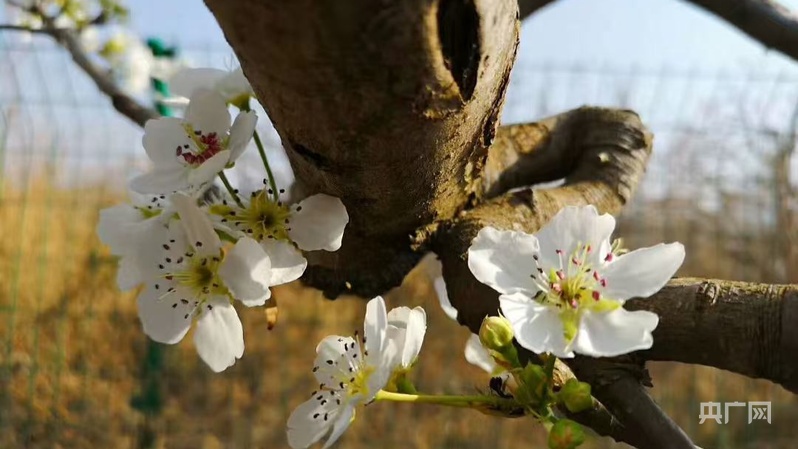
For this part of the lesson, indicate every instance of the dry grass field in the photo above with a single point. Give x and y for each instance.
(73, 358)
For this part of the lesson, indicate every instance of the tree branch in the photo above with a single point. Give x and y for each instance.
(21, 28)
(528, 7)
(767, 21)
(122, 102)
(744, 327)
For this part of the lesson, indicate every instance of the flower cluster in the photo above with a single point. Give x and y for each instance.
(197, 250)
(352, 373)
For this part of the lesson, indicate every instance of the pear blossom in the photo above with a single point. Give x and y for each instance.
(406, 330)
(195, 281)
(232, 85)
(315, 223)
(189, 152)
(125, 228)
(348, 377)
(563, 288)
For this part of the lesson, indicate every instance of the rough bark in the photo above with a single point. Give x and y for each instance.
(746, 328)
(389, 105)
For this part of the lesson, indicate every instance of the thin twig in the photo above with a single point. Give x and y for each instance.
(121, 101)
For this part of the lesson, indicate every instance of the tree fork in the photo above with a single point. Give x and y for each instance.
(389, 105)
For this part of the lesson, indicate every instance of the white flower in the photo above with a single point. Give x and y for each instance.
(131, 61)
(563, 289)
(347, 378)
(189, 152)
(233, 86)
(195, 281)
(126, 227)
(315, 223)
(406, 330)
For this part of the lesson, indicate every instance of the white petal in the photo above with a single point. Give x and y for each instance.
(197, 225)
(206, 171)
(504, 260)
(165, 320)
(235, 84)
(241, 133)
(374, 326)
(207, 112)
(341, 424)
(335, 355)
(307, 425)
(246, 271)
(114, 227)
(162, 180)
(219, 337)
(187, 81)
(128, 274)
(443, 297)
(318, 222)
(574, 225)
(643, 272)
(610, 334)
(288, 264)
(414, 324)
(477, 355)
(162, 137)
(536, 327)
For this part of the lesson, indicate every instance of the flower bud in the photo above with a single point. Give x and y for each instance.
(576, 396)
(532, 385)
(566, 434)
(496, 333)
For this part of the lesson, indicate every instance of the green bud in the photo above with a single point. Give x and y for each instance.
(533, 385)
(496, 333)
(576, 396)
(566, 434)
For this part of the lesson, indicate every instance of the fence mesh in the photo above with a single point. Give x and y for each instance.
(77, 372)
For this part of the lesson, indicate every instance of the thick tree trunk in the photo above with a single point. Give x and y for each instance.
(390, 105)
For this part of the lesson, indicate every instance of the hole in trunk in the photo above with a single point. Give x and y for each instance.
(458, 31)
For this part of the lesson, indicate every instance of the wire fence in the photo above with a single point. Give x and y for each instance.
(76, 371)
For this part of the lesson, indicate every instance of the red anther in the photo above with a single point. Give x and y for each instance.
(596, 295)
(608, 258)
(596, 276)
(560, 274)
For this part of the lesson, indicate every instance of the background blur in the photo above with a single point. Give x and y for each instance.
(76, 371)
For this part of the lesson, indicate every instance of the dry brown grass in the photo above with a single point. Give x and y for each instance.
(71, 353)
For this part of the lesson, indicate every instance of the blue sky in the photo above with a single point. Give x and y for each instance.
(640, 32)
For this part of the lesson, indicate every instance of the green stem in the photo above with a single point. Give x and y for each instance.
(548, 367)
(265, 160)
(275, 194)
(448, 400)
(230, 189)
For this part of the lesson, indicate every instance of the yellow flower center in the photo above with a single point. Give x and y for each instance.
(261, 219)
(573, 287)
